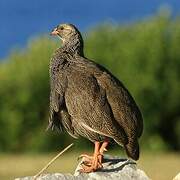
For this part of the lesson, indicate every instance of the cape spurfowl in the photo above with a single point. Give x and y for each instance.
(87, 100)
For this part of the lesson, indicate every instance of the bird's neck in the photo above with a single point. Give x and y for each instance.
(74, 45)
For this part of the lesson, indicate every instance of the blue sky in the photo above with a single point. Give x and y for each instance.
(21, 19)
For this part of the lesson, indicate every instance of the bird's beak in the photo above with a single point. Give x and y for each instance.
(54, 32)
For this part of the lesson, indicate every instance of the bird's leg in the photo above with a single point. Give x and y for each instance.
(102, 149)
(88, 159)
(94, 163)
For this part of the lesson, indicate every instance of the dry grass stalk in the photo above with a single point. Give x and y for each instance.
(45, 167)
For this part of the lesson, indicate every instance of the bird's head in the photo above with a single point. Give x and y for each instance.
(70, 36)
(64, 31)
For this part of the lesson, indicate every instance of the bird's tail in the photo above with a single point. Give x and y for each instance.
(132, 149)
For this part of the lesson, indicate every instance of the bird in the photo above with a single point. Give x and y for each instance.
(87, 100)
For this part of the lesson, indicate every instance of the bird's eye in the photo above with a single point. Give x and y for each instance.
(61, 28)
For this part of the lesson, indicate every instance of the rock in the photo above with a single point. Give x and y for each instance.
(113, 168)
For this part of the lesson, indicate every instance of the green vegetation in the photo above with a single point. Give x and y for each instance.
(144, 55)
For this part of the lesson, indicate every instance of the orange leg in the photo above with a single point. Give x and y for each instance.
(102, 149)
(91, 163)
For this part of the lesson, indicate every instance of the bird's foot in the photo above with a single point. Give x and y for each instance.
(91, 163)
(86, 159)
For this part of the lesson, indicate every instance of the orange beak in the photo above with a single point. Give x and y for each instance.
(54, 32)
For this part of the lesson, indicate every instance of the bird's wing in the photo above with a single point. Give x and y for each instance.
(58, 83)
(54, 111)
(124, 109)
(123, 106)
(87, 104)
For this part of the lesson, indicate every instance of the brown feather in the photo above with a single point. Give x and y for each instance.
(88, 100)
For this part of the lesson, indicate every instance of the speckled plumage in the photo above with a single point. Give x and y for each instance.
(87, 100)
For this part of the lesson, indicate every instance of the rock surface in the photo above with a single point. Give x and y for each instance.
(113, 168)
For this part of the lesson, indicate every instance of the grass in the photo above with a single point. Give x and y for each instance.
(158, 166)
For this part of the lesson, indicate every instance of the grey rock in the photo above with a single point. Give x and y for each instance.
(113, 168)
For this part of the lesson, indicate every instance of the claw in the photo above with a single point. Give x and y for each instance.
(86, 163)
(86, 169)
